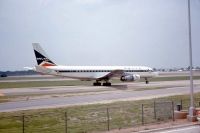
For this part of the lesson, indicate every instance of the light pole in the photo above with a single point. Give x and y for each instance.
(192, 115)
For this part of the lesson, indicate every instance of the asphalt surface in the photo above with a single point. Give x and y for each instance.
(50, 90)
(190, 129)
(105, 97)
(129, 86)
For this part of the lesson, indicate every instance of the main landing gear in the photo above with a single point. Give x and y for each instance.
(107, 84)
(97, 83)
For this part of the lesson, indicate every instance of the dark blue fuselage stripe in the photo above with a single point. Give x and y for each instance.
(68, 71)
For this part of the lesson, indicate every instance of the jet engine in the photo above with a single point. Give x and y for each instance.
(129, 78)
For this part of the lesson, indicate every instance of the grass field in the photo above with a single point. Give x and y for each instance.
(78, 82)
(89, 118)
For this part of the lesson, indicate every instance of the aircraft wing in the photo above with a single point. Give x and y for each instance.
(114, 73)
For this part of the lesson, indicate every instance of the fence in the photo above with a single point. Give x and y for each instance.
(94, 118)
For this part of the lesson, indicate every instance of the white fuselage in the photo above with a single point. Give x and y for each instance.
(95, 72)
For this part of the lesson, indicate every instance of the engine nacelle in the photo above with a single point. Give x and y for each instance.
(129, 78)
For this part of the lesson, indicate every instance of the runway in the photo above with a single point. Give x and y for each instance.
(129, 86)
(119, 92)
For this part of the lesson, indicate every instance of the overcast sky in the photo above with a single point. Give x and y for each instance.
(153, 33)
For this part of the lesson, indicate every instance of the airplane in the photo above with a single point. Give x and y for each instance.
(87, 73)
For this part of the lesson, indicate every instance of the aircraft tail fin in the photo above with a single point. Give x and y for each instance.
(41, 57)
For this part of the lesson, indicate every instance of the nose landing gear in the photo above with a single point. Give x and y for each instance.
(146, 81)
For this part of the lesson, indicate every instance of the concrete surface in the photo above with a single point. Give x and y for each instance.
(190, 129)
(106, 97)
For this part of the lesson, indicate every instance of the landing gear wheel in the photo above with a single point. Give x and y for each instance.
(146, 81)
(107, 84)
(96, 84)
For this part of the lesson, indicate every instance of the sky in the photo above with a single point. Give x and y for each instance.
(150, 33)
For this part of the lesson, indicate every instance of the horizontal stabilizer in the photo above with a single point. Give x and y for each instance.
(30, 68)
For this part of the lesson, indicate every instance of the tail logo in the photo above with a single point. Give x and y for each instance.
(42, 60)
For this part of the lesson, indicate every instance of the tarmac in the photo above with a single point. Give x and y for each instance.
(81, 95)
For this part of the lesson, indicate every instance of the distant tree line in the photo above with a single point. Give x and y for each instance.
(17, 73)
(176, 69)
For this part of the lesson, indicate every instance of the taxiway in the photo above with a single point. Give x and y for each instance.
(118, 92)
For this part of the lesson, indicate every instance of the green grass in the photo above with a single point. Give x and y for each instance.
(89, 118)
(174, 78)
(4, 99)
(42, 84)
(77, 82)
